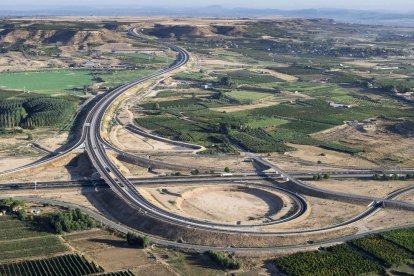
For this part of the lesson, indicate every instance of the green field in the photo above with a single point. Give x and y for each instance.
(117, 78)
(47, 82)
(265, 122)
(19, 240)
(247, 96)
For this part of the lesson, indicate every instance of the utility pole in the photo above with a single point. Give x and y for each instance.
(35, 183)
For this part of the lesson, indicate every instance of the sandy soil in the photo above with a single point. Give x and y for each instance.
(132, 142)
(408, 197)
(314, 154)
(295, 164)
(235, 163)
(281, 76)
(377, 141)
(65, 168)
(72, 195)
(102, 246)
(325, 212)
(221, 203)
(361, 63)
(362, 187)
(385, 218)
(279, 98)
(8, 163)
(53, 142)
(16, 61)
(218, 63)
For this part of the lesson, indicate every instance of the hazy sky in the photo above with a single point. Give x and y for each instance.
(400, 5)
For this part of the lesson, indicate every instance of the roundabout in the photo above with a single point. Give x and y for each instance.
(233, 204)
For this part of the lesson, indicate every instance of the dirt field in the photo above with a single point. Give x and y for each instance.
(281, 76)
(72, 195)
(362, 187)
(282, 97)
(53, 142)
(323, 213)
(386, 218)
(7, 163)
(221, 203)
(69, 167)
(235, 163)
(329, 157)
(102, 247)
(132, 142)
(378, 142)
(408, 197)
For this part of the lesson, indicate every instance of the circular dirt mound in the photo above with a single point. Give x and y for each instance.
(233, 205)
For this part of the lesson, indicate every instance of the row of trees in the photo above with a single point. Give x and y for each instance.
(389, 177)
(36, 112)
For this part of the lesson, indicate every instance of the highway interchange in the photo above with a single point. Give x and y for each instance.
(96, 148)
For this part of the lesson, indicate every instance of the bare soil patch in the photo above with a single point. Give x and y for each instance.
(362, 187)
(379, 142)
(235, 163)
(229, 204)
(329, 157)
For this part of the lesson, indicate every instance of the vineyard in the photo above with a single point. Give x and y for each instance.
(66, 265)
(372, 254)
(18, 240)
(257, 140)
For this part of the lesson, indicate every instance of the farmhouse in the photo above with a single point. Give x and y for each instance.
(339, 105)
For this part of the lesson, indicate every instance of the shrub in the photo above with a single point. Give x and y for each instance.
(223, 260)
(135, 240)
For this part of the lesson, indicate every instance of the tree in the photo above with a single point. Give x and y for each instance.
(227, 169)
(226, 81)
(135, 240)
(326, 176)
(21, 214)
(195, 172)
(30, 137)
(156, 106)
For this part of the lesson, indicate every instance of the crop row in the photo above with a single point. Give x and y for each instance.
(66, 265)
(44, 245)
(362, 256)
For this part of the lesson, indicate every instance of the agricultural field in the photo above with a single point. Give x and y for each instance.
(62, 265)
(338, 260)
(248, 96)
(403, 238)
(371, 255)
(294, 110)
(116, 78)
(385, 251)
(47, 82)
(19, 240)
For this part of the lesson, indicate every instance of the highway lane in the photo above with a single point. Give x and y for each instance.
(115, 225)
(316, 190)
(94, 145)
